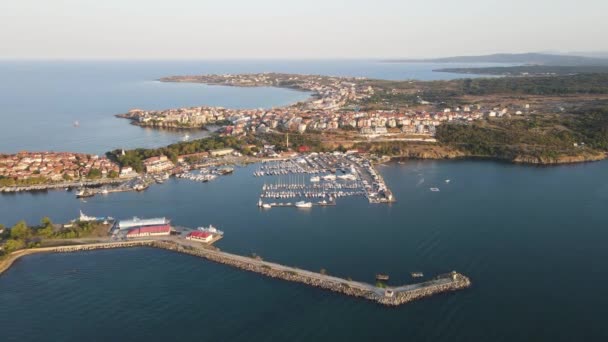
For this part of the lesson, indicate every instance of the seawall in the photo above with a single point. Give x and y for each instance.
(390, 296)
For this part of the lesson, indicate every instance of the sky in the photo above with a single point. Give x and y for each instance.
(304, 29)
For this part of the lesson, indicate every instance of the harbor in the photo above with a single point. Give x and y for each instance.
(321, 179)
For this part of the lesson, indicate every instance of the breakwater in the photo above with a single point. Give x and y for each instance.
(389, 296)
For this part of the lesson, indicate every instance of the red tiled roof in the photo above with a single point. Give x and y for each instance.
(199, 235)
(150, 229)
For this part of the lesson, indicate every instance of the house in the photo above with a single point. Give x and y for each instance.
(158, 164)
(159, 230)
(200, 236)
(221, 152)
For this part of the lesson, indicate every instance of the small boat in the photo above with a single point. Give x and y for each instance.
(84, 193)
(302, 204)
(266, 206)
(382, 277)
(76, 124)
(417, 274)
(435, 189)
(447, 180)
(225, 170)
(186, 137)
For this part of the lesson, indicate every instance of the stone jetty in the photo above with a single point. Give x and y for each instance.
(389, 296)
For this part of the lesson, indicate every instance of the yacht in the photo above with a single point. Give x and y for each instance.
(302, 204)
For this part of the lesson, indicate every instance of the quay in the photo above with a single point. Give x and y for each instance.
(62, 185)
(389, 296)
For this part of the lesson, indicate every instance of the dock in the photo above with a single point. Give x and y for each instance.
(388, 296)
(322, 176)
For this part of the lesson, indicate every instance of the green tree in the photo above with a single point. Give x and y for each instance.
(46, 228)
(113, 174)
(21, 231)
(94, 174)
(13, 245)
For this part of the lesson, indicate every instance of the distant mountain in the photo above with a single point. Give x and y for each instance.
(514, 58)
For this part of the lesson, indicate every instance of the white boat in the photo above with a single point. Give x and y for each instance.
(315, 179)
(435, 189)
(86, 218)
(211, 229)
(302, 204)
(329, 177)
(186, 137)
(266, 206)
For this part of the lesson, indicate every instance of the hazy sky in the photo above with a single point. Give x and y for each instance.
(296, 29)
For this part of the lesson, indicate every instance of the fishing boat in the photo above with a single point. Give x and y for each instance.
(435, 189)
(417, 274)
(266, 206)
(83, 193)
(225, 170)
(382, 277)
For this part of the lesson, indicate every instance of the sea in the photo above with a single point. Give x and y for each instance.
(532, 239)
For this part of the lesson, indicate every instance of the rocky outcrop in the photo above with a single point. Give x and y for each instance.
(561, 159)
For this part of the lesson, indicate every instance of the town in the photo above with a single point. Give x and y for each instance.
(334, 105)
(41, 167)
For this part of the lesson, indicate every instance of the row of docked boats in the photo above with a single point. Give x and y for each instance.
(203, 178)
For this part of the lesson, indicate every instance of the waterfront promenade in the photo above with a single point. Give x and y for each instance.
(390, 296)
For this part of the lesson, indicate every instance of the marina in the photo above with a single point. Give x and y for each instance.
(324, 177)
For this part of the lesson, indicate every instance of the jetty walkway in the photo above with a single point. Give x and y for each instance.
(390, 296)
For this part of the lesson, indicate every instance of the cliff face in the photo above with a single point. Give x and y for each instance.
(584, 157)
(446, 152)
(432, 153)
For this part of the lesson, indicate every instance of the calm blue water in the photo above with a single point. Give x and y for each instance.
(40, 101)
(532, 240)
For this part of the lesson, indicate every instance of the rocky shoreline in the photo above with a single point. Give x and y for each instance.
(443, 153)
(386, 296)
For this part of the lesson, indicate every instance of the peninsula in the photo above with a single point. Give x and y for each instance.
(536, 120)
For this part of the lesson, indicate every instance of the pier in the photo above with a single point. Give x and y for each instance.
(389, 296)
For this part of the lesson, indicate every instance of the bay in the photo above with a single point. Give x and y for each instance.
(532, 239)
